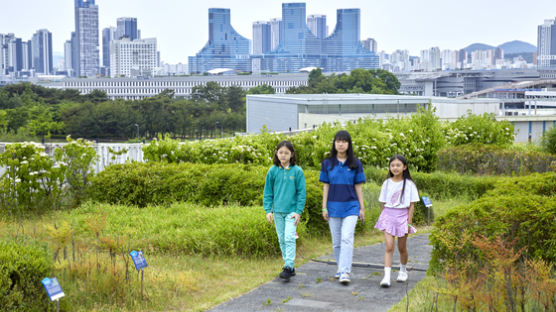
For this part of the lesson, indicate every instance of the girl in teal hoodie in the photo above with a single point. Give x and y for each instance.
(284, 196)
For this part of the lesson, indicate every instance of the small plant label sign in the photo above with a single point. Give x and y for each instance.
(427, 201)
(138, 259)
(52, 288)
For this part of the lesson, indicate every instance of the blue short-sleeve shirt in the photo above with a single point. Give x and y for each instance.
(342, 199)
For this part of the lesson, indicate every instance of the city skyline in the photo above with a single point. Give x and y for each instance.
(394, 25)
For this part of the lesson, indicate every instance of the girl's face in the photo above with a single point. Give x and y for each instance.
(284, 155)
(341, 146)
(397, 167)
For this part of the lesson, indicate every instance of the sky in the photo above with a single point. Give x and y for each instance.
(181, 26)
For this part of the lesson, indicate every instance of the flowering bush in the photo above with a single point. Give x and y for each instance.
(479, 130)
(31, 181)
(418, 137)
(35, 181)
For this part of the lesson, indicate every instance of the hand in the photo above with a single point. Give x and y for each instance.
(269, 217)
(362, 215)
(297, 217)
(325, 214)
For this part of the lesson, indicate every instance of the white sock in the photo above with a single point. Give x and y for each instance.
(387, 271)
(403, 268)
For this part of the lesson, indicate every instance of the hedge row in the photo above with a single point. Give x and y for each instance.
(442, 185)
(156, 183)
(519, 210)
(22, 267)
(489, 159)
(146, 184)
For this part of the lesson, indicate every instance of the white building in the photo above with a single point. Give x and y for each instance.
(140, 88)
(133, 58)
(275, 34)
(449, 59)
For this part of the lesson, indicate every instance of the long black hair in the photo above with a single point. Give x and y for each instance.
(351, 161)
(287, 144)
(406, 174)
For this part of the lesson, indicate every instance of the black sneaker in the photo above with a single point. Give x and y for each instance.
(287, 273)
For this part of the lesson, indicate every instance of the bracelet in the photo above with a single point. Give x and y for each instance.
(409, 224)
(324, 209)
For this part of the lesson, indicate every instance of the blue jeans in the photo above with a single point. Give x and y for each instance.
(285, 229)
(342, 230)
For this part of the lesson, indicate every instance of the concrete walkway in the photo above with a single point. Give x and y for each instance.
(315, 289)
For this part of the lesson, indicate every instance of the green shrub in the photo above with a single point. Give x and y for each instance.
(519, 210)
(22, 267)
(489, 159)
(475, 129)
(187, 229)
(156, 183)
(549, 141)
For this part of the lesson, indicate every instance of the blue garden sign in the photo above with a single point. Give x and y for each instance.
(52, 288)
(138, 259)
(427, 201)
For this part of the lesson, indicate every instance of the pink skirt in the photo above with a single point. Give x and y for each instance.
(394, 222)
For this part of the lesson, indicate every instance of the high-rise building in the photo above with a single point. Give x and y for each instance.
(3, 56)
(430, 59)
(42, 51)
(225, 47)
(133, 58)
(15, 54)
(370, 44)
(108, 34)
(317, 25)
(86, 47)
(275, 32)
(67, 58)
(546, 49)
(127, 28)
(27, 55)
(449, 59)
(261, 37)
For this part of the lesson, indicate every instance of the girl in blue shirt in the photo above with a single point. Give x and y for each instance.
(284, 200)
(342, 200)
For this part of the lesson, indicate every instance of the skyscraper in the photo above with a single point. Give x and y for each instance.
(127, 28)
(275, 32)
(86, 46)
(15, 54)
(225, 47)
(370, 44)
(261, 37)
(42, 51)
(546, 49)
(317, 25)
(67, 58)
(108, 34)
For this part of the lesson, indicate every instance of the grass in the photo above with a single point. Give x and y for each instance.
(176, 278)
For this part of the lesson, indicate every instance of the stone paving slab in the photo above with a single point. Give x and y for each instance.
(315, 289)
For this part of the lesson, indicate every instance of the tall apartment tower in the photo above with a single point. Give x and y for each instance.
(546, 49)
(86, 45)
(275, 32)
(108, 34)
(225, 47)
(127, 28)
(67, 58)
(42, 51)
(261, 37)
(370, 44)
(133, 58)
(317, 25)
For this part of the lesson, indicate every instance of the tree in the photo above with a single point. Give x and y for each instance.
(262, 89)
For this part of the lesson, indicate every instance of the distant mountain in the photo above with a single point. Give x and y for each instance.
(478, 46)
(517, 47)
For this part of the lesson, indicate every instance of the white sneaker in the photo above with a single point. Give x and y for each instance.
(344, 278)
(385, 281)
(402, 277)
(337, 276)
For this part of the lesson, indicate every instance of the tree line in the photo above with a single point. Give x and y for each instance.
(30, 111)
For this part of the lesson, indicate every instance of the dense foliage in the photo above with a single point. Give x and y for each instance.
(22, 267)
(28, 110)
(418, 137)
(549, 141)
(490, 159)
(519, 211)
(377, 81)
